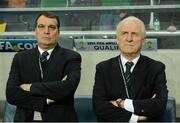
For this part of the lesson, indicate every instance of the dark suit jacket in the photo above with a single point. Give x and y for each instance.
(25, 69)
(148, 79)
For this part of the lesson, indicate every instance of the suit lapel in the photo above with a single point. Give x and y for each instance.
(34, 58)
(118, 87)
(53, 61)
(139, 73)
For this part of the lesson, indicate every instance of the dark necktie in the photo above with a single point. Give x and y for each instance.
(43, 57)
(127, 74)
(43, 60)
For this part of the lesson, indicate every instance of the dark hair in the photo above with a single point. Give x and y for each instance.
(49, 15)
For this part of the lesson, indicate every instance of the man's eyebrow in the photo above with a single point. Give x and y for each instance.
(48, 25)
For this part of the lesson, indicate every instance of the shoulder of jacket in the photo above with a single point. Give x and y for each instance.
(153, 62)
(25, 52)
(108, 61)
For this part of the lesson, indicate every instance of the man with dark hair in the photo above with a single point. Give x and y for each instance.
(43, 80)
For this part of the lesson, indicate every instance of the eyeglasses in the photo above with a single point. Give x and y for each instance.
(51, 28)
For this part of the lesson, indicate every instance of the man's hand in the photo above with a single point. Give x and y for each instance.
(65, 77)
(117, 103)
(25, 87)
(120, 103)
(114, 103)
(49, 101)
(153, 96)
(142, 118)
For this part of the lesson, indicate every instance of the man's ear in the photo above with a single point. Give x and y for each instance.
(144, 41)
(117, 41)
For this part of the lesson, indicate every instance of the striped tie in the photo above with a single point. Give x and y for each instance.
(128, 72)
(43, 57)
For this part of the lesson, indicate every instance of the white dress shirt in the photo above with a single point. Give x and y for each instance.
(49, 51)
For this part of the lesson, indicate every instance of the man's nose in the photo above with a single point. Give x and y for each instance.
(129, 37)
(46, 30)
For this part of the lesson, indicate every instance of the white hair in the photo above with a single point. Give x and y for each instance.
(134, 19)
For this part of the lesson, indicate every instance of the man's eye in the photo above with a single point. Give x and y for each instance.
(52, 27)
(41, 26)
(135, 34)
(123, 33)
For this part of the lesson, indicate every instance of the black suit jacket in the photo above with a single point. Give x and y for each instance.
(25, 69)
(148, 79)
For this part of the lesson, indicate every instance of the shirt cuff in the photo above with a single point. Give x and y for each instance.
(128, 105)
(47, 101)
(134, 118)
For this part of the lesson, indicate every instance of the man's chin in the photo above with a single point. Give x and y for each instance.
(45, 46)
(46, 41)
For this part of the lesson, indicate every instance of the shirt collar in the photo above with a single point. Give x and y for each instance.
(124, 60)
(49, 51)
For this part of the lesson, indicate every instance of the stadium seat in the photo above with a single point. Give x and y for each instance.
(170, 112)
(9, 112)
(84, 110)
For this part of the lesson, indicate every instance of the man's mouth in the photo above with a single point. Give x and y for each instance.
(46, 38)
(130, 45)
